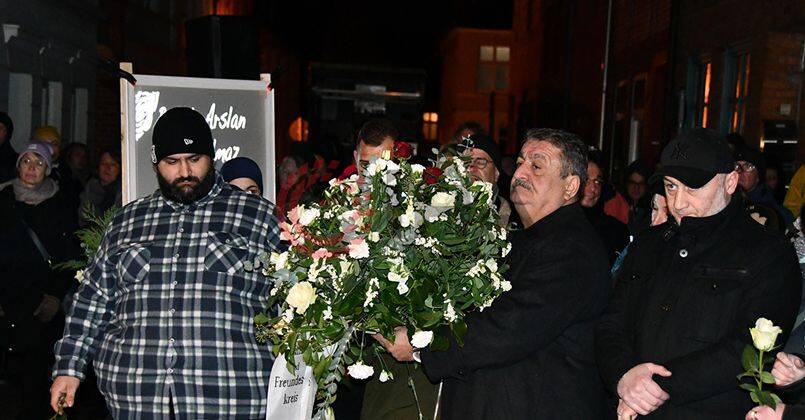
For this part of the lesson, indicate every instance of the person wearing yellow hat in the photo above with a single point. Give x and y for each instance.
(70, 187)
(50, 135)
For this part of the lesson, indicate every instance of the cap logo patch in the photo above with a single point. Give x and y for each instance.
(680, 151)
(188, 142)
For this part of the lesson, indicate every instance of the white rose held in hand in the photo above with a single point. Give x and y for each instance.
(764, 335)
(360, 371)
(421, 339)
(301, 296)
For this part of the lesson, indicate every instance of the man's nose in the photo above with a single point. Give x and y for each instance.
(184, 169)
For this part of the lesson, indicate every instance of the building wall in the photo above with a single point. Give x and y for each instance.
(771, 32)
(53, 55)
(461, 101)
(571, 67)
(151, 37)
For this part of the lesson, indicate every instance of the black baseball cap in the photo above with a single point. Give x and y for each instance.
(695, 157)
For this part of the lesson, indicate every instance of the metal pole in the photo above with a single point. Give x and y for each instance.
(606, 75)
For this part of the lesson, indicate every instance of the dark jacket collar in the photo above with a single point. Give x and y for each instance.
(570, 213)
(703, 229)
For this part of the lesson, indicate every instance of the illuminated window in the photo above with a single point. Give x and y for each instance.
(430, 125)
(493, 68)
(502, 54)
(741, 90)
(704, 98)
(487, 53)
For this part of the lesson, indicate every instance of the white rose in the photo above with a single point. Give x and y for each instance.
(300, 296)
(765, 333)
(417, 168)
(279, 260)
(307, 216)
(505, 285)
(444, 200)
(79, 275)
(360, 371)
(358, 249)
(421, 339)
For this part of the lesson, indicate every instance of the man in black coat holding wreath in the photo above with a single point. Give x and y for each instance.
(530, 355)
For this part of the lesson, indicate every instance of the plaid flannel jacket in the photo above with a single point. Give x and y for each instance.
(165, 309)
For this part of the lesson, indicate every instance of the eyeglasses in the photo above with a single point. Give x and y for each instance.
(29, 161)
(480, 163)
(745, 167)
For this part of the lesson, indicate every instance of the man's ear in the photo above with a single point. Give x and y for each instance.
(731, 182)
(572, 186)
(497, 175)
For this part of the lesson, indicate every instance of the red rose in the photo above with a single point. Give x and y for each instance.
(431, 175)
(402, 150)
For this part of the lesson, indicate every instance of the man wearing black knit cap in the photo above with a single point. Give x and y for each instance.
(165, 308)
(669, 345)
(485, 166)
(8, 157)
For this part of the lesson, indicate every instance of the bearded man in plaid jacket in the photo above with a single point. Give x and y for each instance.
(165, 308)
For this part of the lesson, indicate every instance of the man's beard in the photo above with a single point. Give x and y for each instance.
(186, 194)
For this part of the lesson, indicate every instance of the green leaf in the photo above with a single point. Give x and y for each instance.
(754, 396)
(776, 399)
(749, 387)
(321, 367)
(767, 377)
(749, 358)
(428, 319)
(261, 319)
(766, 399)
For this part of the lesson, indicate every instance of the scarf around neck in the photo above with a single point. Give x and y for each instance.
(33, 196)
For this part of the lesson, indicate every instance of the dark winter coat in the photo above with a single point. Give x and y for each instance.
(685, 299)
(530, 355)
(8, 162)
(26, 277)
(613, 233)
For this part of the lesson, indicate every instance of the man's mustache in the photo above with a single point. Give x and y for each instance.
(186, 179)
(521, 183)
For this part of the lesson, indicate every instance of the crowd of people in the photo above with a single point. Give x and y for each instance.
(629, 299)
